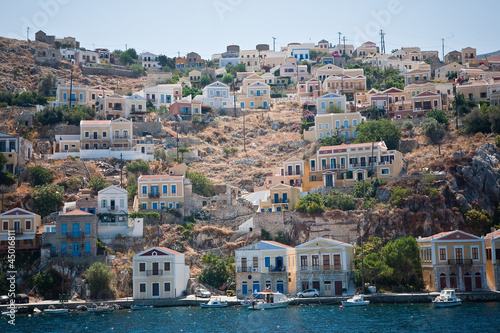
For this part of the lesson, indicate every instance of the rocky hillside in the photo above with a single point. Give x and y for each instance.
(18, 71)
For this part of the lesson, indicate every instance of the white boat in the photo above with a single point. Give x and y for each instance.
(269, 300)
(356, 300)
(447, 298)
(214, 303)
(55, 311)
(140, 307)
(101, 308)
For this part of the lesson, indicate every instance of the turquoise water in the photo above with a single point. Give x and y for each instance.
(470, 317)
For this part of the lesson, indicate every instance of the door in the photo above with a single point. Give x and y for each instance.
(290, 170)
(264, 105)
(338, 288)
(326, 262)
(279, 263)
(17, 227)
(453, 281)
(244, 288)
(244, 264)
(329, 180)
(155, 268)
(468, 283)
(305, 286)
(360, 176)
(156, 289)
(479, 283)
(276, 198)
(285, 198)
(76, 250)
(442, 282)
(280, 287)
(256, 287)
(459, 255)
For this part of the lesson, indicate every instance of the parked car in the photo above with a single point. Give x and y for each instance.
(4, 299)
(22, 298)
(202, 293)
(308, 293)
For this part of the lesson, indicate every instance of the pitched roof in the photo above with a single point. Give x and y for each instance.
(17, 211)
(493, 235)
(95, 122)
(450, 235)
(354, 145)
(153, 177)
(427, 93)
(162, 251)
(75, 213)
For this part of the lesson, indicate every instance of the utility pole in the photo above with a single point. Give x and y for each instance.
(339, 36)
(344, 45)
(442, 41)
(244, 133)
(274, 44)
(234, 96)
(177, 130)
(70, 87)
(28, 34)
(382, 41)
(121, 170)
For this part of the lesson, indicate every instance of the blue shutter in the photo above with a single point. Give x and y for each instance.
(267, 261)
(87, 247)
(64, 229)
(165, 189)
(87, 228)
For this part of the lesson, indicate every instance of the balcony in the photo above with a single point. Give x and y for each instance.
(80, 234)
(459, 261)
(154, 272)
(386, 162)
(294, 174)
(111, 208)
(280, 201)
(276, 269)
(154, 195)
(244, 269)
(121, 137)
(18, 231)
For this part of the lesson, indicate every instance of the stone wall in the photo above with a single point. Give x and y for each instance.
(61, 130)
(150, 127)
(25, 118)
(107, 71)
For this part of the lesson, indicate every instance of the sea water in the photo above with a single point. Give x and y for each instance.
(469, 317)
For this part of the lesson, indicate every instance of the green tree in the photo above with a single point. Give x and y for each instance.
(398, 194)
(375, 130)
(368, 189)
(311, 204)
(201, 184)
(479, 221)
(217, 271)
(138, 167)
(205, 80)
(183, 150)
(330, 141)
(126, 59)
(97, 183)
(403, 256)
(497, 141)
(439, 115)
(186, 91)
(98, 279)
(47, 85)
(240, 67)
(43, 281)
(332, 108)
(227, 78)
(477, 121)
(40, 176)
(48, 198)
(434, 131)
(229, 151)
(6, 177)
(136, 69)
(338, 200)
(461, 105)
(160, 155)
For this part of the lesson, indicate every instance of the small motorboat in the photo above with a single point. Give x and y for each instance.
(214, 303)
(140, 307)
(269, 300)
(446, 298)
(356, 300)
(55, 311)
(101, 308)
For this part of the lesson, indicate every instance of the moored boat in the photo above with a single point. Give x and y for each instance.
(356, 300)
(55, 311)
(269, 300)
(101, 308)
(446, 298)
(214, 303)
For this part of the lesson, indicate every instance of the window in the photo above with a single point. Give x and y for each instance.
(144, 205)
(255, 262)
(165, 189)
(267, 262)
(320, 126)
(326, 126)
(166, 266)
(144, 189)
(384, 171)
(251, 92)
(336, 261)
(174, 189)
(142, 267)
(442, 254)
(104, 134)
(122, 203)
(27, 225)
(86, 134)
(252, 104)
(103, 203)
(64, 228)
(303, 263)
(142, 287)
(475, 253)
(87, 247)
(87, 228)
(166, 286)
(5, 225)
(315, 262)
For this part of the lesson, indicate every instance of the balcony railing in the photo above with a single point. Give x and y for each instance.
(294, 174)
(280, 201)
(112, 208)
(385, 162)
(80, 234)
(154, 272)
(154, 195)
(121, 137)
(18, 231)
(459, 261)
(275, 269)
(244, 269)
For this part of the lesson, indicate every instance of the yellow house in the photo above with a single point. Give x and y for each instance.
(326, 265)
(265, 264)
(19, 229)
(344, 165)
(160, 192)
(290, 173)
(111, 107)
(80, 94)
(492, 244)
(257, 95)
(249, 80)
(418, 88)
(282, 198)
(17, 151)
(159, 272)
(103, 134)
(453, 259)
(345, 84)
(332, 124)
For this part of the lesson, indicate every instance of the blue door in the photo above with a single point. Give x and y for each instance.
(264, 105)
(244, 289)
(64, 248)
(155, 205)
(76, 249)
(285, 197)
(256, 288)
(280, 287)
(276, 198)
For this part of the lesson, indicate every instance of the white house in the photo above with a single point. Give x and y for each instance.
(216, 95)
(135, 107)
(323, 102)
(149, 60)
(159, 272)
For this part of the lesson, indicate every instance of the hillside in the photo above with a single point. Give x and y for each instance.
(18, 71)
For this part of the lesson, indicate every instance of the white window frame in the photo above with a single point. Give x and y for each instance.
(445, 253)
(478, 253)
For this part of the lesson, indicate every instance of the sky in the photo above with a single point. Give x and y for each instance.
(208, 26)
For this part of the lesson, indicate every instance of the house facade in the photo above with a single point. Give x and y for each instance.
(331, 124)
(159, 272)
(492, 245)
(162, 94)
(258, 95)
(159, 192)
(216, 95)
(323, 102)
(290, 173)
(149, 60)
(265, 264)
(453, 259)
(346, 164)
(112, 204)
(281, 198)
(111, 107)
(19, 228)
(186, 108)
(345, 84)
(105, 134)
(17, 151)
(427, 101)
(325, 265)
(75, 235)
(444, 72)
(135, 107)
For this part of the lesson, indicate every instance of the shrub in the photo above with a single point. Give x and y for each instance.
(398, 194)
(40, 176)
(497, 141)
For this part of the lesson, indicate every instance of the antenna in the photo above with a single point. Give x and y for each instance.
(274, 44)
(382, 41)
